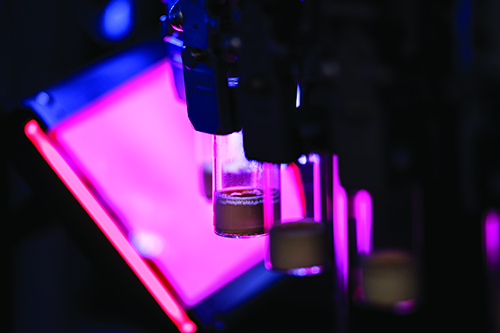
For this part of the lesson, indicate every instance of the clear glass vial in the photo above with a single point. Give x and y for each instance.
(243, 207)
(300, 248)
(388, 277)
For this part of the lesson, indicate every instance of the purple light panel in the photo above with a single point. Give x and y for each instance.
(136, 147)
(109, 227)
(492, 238)
(363, 216)
(340, 236)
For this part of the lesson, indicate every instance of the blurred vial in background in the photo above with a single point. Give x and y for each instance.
(300, 248)
(385, 272)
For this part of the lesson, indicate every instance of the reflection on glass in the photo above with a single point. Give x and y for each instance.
(363, 216)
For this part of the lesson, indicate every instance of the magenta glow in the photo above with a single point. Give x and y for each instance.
(340, 230)
(268, 196)
(109, 227)
(138, 149)
(315, 159)
(492, 238)
(363, 215)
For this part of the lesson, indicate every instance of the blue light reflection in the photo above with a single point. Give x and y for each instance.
(117, 19)
(463, 21)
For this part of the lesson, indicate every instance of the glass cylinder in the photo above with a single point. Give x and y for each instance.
(243, 207)
(387, 274)
(300, 248)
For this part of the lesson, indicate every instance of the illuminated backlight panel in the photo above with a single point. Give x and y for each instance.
(135, 147)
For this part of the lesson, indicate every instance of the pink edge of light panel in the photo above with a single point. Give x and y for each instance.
(108, 227)
(137, 147)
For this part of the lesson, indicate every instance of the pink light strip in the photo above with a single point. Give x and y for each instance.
(268, 197)
(363, 216)
(108, 227)
(340, 236)
(315, 158)
(492, 238)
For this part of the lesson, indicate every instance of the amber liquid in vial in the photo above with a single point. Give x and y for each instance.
(238, 212)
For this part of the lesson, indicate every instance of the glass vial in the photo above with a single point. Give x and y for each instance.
(387, 250)
(243, 207)
(300, 248)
